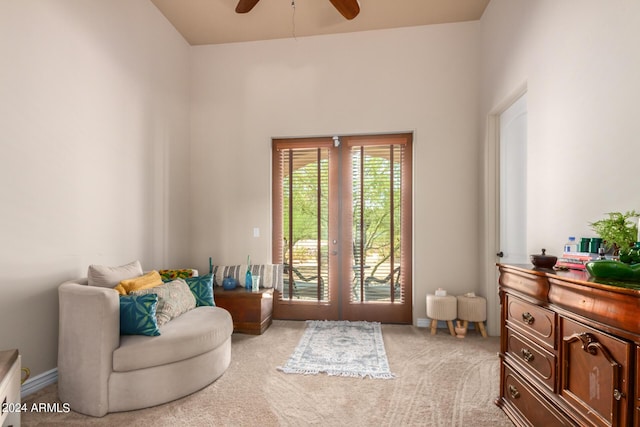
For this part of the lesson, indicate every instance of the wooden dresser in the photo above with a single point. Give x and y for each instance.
(10, 388)
(569, 349)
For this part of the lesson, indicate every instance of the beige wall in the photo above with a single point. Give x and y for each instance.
(580, 62)
(420, 79)
(93, 101)
(96, 115)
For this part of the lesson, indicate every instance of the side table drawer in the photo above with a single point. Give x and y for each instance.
(532, 320)
(533, 358)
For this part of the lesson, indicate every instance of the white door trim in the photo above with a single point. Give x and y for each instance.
(490, 232)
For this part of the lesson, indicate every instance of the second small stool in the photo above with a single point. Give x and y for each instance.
(441, 308)
(472, 309)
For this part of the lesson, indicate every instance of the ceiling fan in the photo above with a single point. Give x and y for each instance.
(348, 8)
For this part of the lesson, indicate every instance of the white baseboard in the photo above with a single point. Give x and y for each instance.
(39, 382)
(423, 323)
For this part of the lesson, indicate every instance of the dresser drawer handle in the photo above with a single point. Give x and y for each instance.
(527, 318)
(513, 391)
(527, 355)
(617, 394)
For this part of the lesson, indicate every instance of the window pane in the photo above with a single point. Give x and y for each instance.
(305, 223)
(376, 181)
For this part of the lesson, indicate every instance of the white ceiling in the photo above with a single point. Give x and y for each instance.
(215, 21)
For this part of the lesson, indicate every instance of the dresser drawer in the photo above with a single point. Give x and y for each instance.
(525, 283)
(594, 375)
(534, 321)
(530, 404)
(533, 358)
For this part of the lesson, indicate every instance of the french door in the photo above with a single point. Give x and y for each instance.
(342, 227)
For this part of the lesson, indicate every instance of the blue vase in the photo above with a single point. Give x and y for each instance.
(229, 283)
(248, 280)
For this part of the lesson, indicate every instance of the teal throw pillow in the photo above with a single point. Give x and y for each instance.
(138, 315)
(202, 289)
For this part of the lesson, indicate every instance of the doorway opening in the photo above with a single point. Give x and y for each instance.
(494, 225)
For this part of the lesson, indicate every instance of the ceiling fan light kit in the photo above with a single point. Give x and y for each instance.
(347, 8)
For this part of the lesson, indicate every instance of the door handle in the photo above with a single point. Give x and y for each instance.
(500, 254)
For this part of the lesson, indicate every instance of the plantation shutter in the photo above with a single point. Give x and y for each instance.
(381, 199)
(301, 216)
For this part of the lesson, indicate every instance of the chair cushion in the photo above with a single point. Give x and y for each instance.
(138, 315)
(195, 332)
(172, 274)
(174, 299)
(202, 289)
(108, 277)
(146, 281)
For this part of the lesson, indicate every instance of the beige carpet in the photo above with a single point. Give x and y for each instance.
(440, 381)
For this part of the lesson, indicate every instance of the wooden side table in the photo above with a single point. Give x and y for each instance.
(251, 311)
(10, 388)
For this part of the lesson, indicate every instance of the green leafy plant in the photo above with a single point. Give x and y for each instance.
(618, 230)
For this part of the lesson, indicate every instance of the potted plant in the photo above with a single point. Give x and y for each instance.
(618, 231)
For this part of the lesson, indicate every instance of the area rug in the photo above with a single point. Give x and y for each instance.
(341, 348)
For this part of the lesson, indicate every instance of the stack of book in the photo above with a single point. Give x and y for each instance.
(575, 260)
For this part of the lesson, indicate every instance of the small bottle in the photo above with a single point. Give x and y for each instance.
(248, 281)
(571, 245)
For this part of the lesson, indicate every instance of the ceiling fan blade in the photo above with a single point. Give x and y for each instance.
(245, 6)
(348, 8)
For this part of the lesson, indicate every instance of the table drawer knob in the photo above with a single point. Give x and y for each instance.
(513, 391)
(527, 355)
(528, 318)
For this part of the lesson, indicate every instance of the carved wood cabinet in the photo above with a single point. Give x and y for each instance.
(569, 349)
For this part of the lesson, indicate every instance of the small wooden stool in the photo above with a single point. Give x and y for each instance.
(472, 309)
(441, 308)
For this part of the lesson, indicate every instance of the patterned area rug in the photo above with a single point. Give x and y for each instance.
(342, 348)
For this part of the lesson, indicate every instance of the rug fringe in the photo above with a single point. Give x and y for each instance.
(298, 371)
(342, 322)
(380, 376)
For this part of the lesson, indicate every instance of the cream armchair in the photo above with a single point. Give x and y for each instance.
(100, 371)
